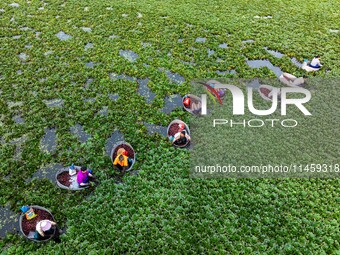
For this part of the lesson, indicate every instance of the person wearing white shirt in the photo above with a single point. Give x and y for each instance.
(315, 62)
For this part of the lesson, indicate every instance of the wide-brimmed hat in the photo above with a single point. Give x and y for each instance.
(120, 151)
(45, 225)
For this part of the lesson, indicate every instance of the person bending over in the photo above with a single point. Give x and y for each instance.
(121, 161)
(316, 62)
(83, 176)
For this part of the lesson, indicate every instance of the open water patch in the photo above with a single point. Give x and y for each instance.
(88, 82)
(113, 36)
(223, 46)
(153, 129)
(274, 53)
(129, 55)
(114, 77)
(90, 64)
(103, 111)
(48, 143)
(54, 103)
(145, 91)
(16, 5)
(248, 41)
(210, 52)
(255, 84)
(115, 137)
(201, 40)
(78, 130)
(23, 56)
(86, 29)
(89, 100)
(223, 73)
(113, 97)
(9, 221)
(296, 62)
(171, 103)
(46, 172)
(63, 36)
(264, 63)
(174, 77)
(88, 46)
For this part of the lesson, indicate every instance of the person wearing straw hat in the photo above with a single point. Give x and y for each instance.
(45, 229)
(121, 162)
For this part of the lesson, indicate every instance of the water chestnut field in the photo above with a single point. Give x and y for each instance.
(78, 76)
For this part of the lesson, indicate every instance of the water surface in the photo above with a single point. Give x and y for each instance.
(264, 63)
(78, 130)
(113, 97)
(248, 41)
(114, 77)
(171, 103)
(115, 137)
(23, 56)
(88, 46)
(47, 172)
(275, 53)
(145, 91)
(9, 221)
(129, 55)
(296, 62)
(86, 29)
(153, 129)
(63, 36)
(54, 103)
(201, 39)
(223, 46)
(48, 143)
(175, 77)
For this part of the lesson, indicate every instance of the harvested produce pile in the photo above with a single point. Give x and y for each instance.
(265, 92)
(29, 225)
(174, 129)
(78, 76)
(64, 178)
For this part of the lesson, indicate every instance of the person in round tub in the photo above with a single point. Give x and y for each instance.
(46, 229)
(181, 138)
(195, 107)
(83, 176)
(121, 162)
(316, 62)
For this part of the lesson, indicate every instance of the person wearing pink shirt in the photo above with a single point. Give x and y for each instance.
(83, 176)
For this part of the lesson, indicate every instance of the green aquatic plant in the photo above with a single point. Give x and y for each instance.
(161, 210)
